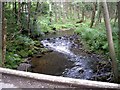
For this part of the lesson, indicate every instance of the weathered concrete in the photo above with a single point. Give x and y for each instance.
(23, 79)
(6, 85)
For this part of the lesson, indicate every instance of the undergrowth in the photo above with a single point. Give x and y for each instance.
(95, 38)
(19, 48)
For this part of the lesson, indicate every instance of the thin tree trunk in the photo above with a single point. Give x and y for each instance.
(59, 17)
(83, 11)
(15, 8)
(19, 15)
(110, 41)
(71, 12)
(35, 16)
(23, 4)
(98, 14)
(63, 12)
(74, 12)
(28, 18)
(116, 16)
(60, 12)
(3, 35)
(50, 12)
(83, 14)
(78, 11)
(67, 9)
(55, 5)
(93, 15)
(15, 11)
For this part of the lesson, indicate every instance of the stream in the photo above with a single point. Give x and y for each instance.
(68, 59)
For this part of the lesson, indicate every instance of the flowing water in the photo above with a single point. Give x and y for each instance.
(65, 60)
(80, 68)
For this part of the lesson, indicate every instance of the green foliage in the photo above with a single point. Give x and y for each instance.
(12, 60)
(43, 24)
(44, 8)
(25, 40)
(19, 48)
(96, 38)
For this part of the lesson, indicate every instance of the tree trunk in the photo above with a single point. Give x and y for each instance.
(15, 8)
(78, 11)
(71, 12)
(15, 11)
(118, 9)
(55, 6)
(3, 35)
(83, 14)
(116, 17)
(34, 25)
(61, 9)
(19, 15)
(67, 9)
(35, 16)
(74, 12)
(28, 19)
(110, 41)
(93, 15)
(50, 12)
(98, 14)
(63, 12)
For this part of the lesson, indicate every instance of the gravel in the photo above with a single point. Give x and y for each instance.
(6, 85)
